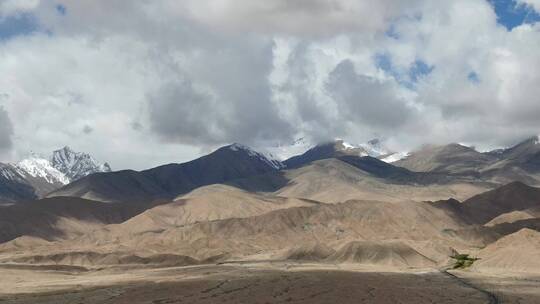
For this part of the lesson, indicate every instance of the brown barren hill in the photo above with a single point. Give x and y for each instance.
(61, 217)
(452, 158)
(333, 181)
(515, 216)
(274, 232)
(210, 203)
(517, 252)
(383, 253)
(515, 196)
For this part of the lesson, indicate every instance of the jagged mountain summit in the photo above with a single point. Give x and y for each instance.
(62, 167)
(37, 175)
(75, 165)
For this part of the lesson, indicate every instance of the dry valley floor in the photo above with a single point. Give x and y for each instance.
(262, 282)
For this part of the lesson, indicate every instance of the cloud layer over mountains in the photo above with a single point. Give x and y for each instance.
(145, 83)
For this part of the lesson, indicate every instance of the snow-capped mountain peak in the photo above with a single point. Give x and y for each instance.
(266, 157)
(76, 164)
(371, 148)
(37, 175)
(283, 152)
(348, 146)
(377, 149)
(42, 168)
(63, 167)
(374, 148)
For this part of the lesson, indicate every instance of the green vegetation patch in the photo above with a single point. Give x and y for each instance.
(463, 260)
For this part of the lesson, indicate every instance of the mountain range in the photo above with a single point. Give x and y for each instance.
(70, 173)
(335, 202)
(429, 170)
(520, 162)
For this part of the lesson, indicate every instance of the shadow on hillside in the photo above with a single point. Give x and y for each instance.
(40, 218)
(269, 182)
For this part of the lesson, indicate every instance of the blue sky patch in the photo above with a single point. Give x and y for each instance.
(61, 9)
(419, 69)
(407, 78)
(16, 25)
(473, 77)
(392, 33)
(510, 13)
(383, 62)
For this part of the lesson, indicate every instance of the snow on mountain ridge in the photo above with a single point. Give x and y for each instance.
(76, 164)
(372, 148)
(42, 168)
(11, 172)
(284, 152)
(375, 148)
(266, 156)
(61, 168)
(394, 157)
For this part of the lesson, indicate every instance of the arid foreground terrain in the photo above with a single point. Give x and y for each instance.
(263, 282)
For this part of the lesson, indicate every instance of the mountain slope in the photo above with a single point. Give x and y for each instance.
(118, 186)
(485, 207)
(13, 185)
(336, 149)
(350, 177)
(518, 163)
(60, 218)
(517, 252)
(168, 181)
(525, 153)
(209, 203)
(452, 158)
(515, 196)
(323, 151)
(276, 232)
(388, 253)
(381, 169)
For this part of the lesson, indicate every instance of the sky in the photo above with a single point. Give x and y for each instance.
(143, 83)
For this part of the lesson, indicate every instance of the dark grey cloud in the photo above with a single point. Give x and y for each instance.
(137, 126)
(87, 129)
(227, 98)
(6, 130)
(312, 112)
(300, 17)
(179, 113)
(366, 100)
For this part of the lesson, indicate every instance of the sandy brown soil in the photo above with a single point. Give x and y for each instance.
(258, 283)
(507, 287)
